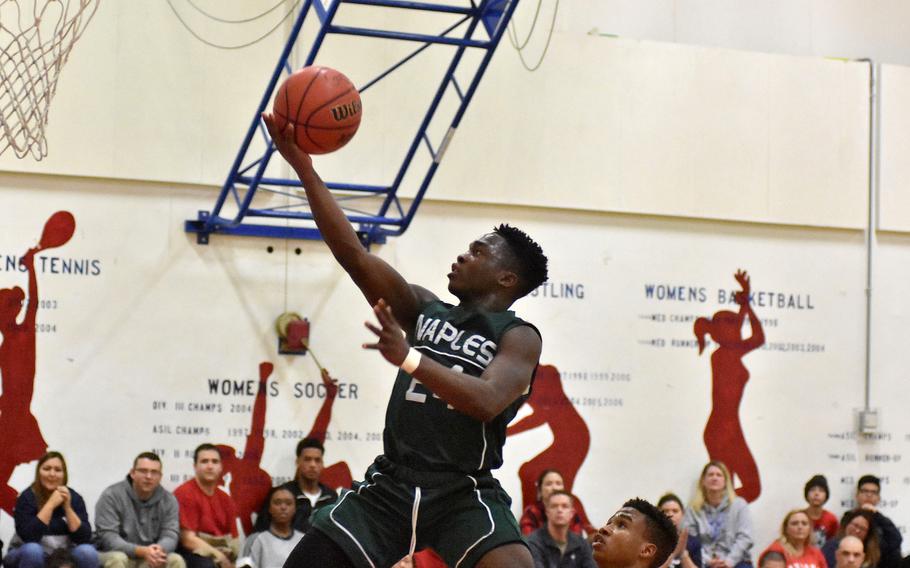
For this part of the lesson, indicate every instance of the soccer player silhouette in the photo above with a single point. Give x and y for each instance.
(724, 438)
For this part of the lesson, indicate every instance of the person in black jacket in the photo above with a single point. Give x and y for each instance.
(50, 516)
(554, 545)
(868, 497)
(309, 493)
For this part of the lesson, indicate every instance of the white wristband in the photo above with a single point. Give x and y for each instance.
(410, 363)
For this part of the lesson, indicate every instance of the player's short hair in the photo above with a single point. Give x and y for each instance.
(530, 261)
(309, 443)
(146, 456)
(560, 492)
(659, 528)
(205, 448)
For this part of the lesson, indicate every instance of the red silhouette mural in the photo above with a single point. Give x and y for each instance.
(249, 483)
(724, 438)
(571, 437)
(22, 438)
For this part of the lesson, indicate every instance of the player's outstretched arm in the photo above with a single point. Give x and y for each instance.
(506, 377)
(375, 278)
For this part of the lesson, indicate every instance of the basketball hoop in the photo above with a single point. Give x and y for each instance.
(36, 37)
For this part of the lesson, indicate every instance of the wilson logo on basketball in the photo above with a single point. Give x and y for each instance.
(344, 111)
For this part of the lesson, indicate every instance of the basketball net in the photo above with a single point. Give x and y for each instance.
(36, 37)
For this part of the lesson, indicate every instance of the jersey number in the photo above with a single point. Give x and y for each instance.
(414, 396)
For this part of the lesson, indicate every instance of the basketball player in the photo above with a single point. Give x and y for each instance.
(465, 370)
(639, 535)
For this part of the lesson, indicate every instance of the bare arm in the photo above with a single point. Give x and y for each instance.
(375, 278)
(506, 377)
(758, 335)
(32, 308)
(191, 541)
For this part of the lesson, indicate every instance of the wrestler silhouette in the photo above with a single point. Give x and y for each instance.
(22, 438)
(571, 437)
(724, 438)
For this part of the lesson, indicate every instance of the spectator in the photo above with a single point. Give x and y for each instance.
(850, 553)
(796, 542)
(270, 548)
(688, 553)
(824, 523)
(772, 559)
(636, 536)
(533, 517)
(858, 523)
(310, 494)
(720, 520)
(868, 497)
(137, 521)
(208, 515)
(50, 516)
(554, 545)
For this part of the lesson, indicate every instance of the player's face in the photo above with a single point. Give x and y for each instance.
(621, 541)
(674, 511)
(817, 496)
(208, 466)
(309, 464)
(714, 479)
(560, 510)
(868, 494)
(51, 474)
(858, 527)
(798, 528)
(146, 476)
(282, 507)
(478, 269)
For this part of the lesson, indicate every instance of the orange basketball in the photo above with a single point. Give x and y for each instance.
(322, 104)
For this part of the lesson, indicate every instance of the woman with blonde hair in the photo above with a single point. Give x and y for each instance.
(720, 520)
(50, 516)
(797, 542)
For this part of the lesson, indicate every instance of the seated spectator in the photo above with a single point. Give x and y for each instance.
(850, 553)
(796, 542)
(688, 553)
(636, 536)
(270, 548)
(554, 545)
(137, 521)
(720, 520)
(772, 559)
(50, 516)
(533, 516)
(306, 487)
(857, 523)
(868, 497)
(824, 523)
(208, 515)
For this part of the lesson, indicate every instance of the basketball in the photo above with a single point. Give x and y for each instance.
(322, 104)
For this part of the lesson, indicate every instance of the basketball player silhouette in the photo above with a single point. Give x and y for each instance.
(571, 437)
(724, 438)
(22, 438)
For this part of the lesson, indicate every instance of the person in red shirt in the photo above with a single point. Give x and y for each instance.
(824, 522)
(208, 515)
(795, 542)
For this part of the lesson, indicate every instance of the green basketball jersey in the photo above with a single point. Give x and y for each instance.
(421, 431)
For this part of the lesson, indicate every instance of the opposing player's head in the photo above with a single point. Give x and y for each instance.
(506, 261)
(639, 535)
